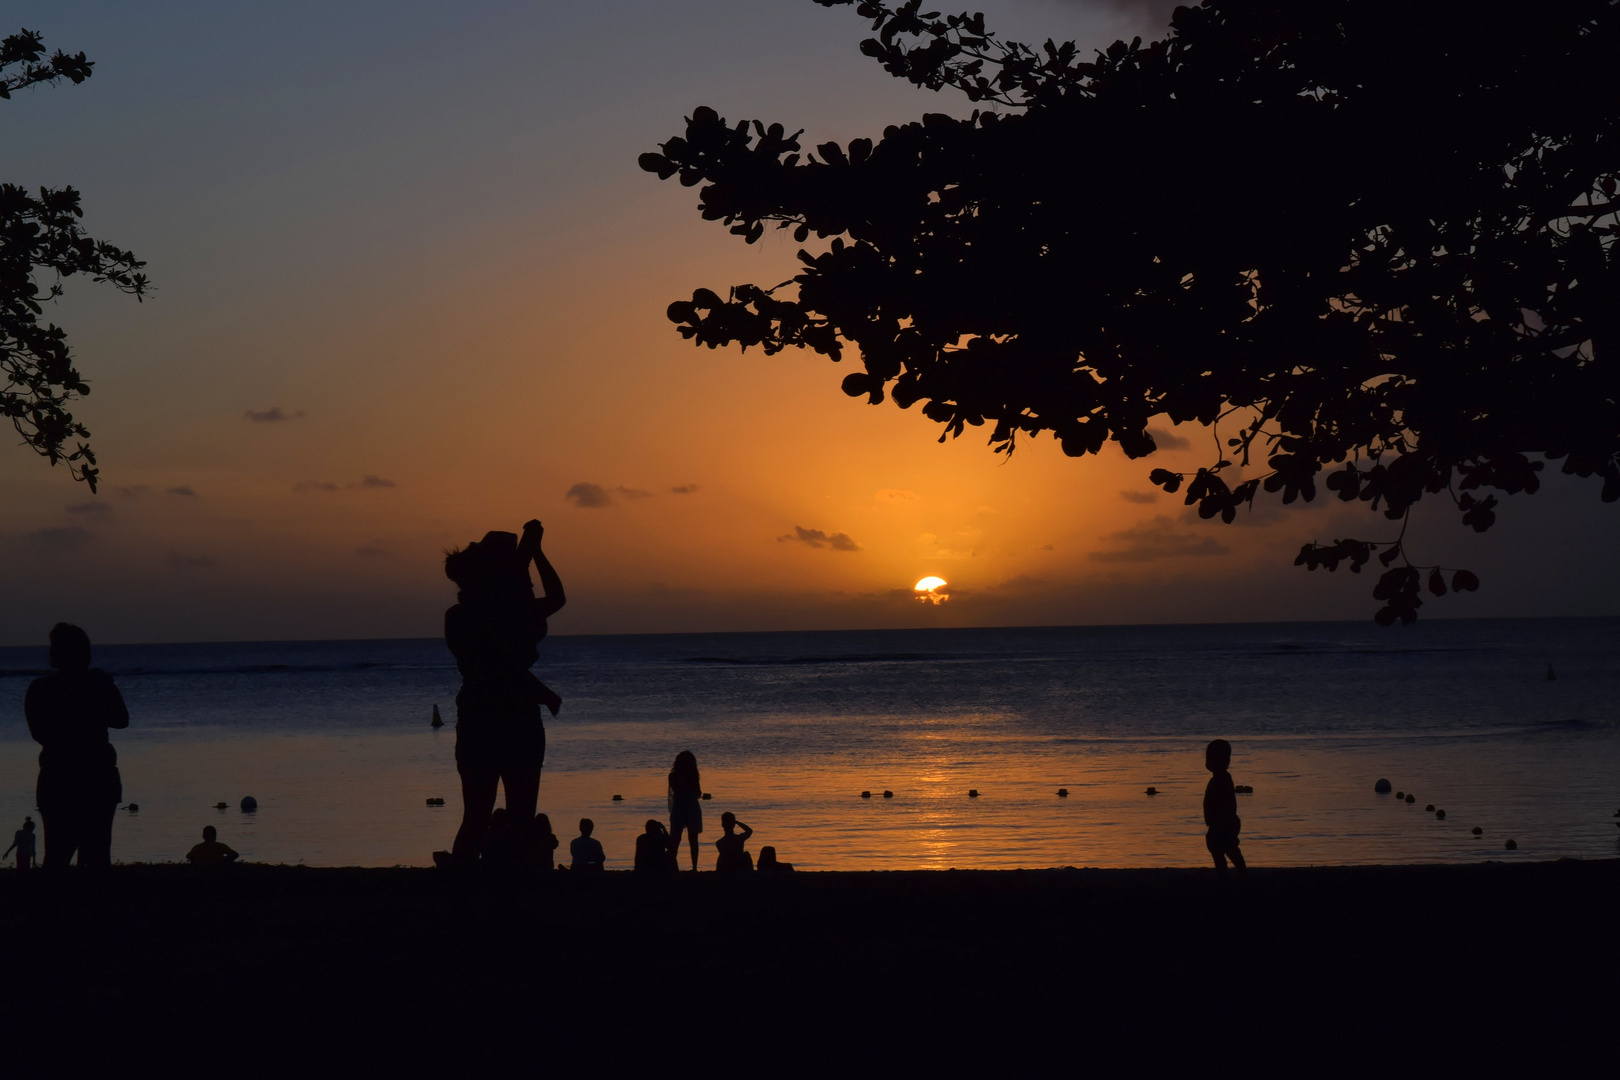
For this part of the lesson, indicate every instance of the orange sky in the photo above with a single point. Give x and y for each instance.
(461, 297)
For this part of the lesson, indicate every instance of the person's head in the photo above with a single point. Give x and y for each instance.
(70, 648)
(728, 821)
(685, 767)
(490, 561)
(655, 827)
(210, 834)
(767, 857)
(585, 826)
(28, 824)
(1218, 755)
(542, 824)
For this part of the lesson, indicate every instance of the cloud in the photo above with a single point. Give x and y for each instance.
(1141, 497)
(184, 490)
(98, 510)
(272, 415)
(683, 489)
(372, 480)
(373, 551)
(315, 485)
(1165, 439)
(633, 493)
(1156, 539)
(1048, 547)
(588, 496)
(190, 562)
(57, 540)
(133, 492)
(817, 539)
(896, 495)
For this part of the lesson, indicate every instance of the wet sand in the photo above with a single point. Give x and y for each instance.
(1289, 972)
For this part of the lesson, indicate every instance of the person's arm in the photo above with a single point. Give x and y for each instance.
(34, 712)
(6, 852)
(529, 546)
(117, 711)
(231, 855)
(746, 831)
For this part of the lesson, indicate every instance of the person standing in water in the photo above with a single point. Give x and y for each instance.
(1220, 809)
(69, 714)
(494, 632)
(685, 803)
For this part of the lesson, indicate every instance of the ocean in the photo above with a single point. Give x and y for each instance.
(332, 738)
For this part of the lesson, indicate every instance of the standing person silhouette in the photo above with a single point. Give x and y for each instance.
(1220, 809)
(494, 631)
(685, 805)
(69, 714)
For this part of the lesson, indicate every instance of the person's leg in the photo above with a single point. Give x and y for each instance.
(1217, 850)
(693, 834)
(480, 779)
(60, 824)
(95, 843)
(520, 776)
(1236, 855)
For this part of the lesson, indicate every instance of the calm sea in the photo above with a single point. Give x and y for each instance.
(333, 740)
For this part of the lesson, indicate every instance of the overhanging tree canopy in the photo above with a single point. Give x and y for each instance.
(1364, 236)
(42, 236)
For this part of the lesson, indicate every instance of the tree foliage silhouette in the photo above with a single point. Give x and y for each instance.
(1366, 237)
(41, 236)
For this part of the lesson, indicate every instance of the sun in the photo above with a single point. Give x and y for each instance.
(928, 590)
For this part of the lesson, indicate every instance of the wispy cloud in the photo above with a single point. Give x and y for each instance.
(1140, 497)
(183, 490)
(372, 480)
(817, 539)
(1156, 539)
(99, 511)
(315, 485)
(631, 493)
(683, 489)
(190, 562)
(896, 495)
(63, 538)
(1165, 439)
(588, 496)
(374, 551)
(273, 415)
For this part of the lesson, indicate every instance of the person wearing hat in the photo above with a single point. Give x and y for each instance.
(494, 631)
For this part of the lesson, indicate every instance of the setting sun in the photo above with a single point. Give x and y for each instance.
(928, 590)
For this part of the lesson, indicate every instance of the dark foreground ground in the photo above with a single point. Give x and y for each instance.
(1399, 971)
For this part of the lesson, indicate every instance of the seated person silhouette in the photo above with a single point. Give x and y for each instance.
(733, 857)
(211, 852)
(655, 851)
(585, 849)
(768, 863)
(545, 842)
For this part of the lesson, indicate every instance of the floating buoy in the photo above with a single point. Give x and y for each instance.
(222, 806)
(1152, 791)
(133, 807)
(1429, 809)
(438, 721)
(706, 796)
(1400, 795)
(249, 804)
(887, 794)
(1383, 787)
(1242, 789)
(973, 793)
(1511, 845)
(618, 798)
(866, 794)
(435, 802)
(1439, 815)
(1411, 798)
(1063, 793)
(1478, 831)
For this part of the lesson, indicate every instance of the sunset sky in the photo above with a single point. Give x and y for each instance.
(410, 286)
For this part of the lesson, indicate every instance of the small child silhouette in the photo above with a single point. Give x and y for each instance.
(1220, 808)
(585, 849)
(23, 841)
(211, 852)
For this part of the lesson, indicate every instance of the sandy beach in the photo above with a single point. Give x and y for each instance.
(1290, 972)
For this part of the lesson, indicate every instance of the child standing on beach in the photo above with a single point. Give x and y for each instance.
(23, 841)
(1220, 808)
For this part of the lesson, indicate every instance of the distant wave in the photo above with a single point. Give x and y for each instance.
(235, 669)
(856, 658)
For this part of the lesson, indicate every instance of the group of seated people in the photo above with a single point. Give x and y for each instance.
(656, 850)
